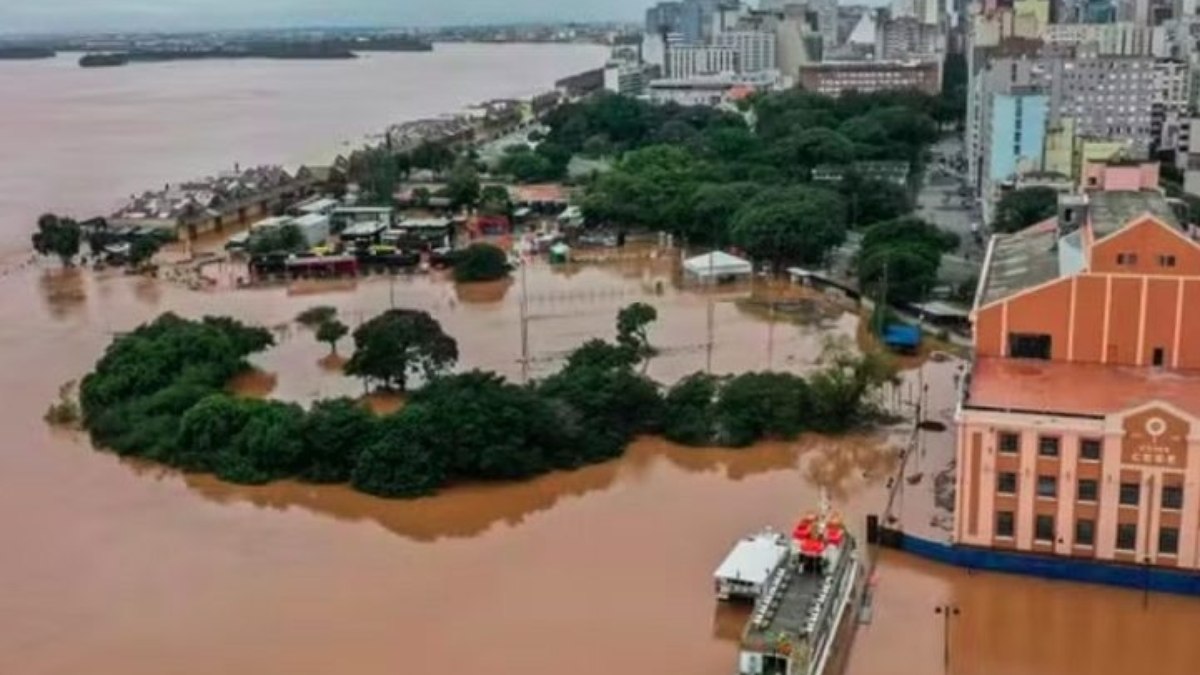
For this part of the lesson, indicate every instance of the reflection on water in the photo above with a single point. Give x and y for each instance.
(63, 291)
(482, 292)
(470, 510)
(1012, 624)
(253, 383)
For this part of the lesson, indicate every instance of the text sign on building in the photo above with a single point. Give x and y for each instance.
(1155, 437)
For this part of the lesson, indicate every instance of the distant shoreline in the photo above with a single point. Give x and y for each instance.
(323, 50)
(26, 53)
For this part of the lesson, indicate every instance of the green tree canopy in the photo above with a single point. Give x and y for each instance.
(906, 252)
(330, 332)
(1021, 208)
(398, 463)
(652, 187)
(485, 428)
(713, 207)
(58, 237)
(398, 344)
(285, 238)
(800, 225)
(872, 201)
(688, 410)
(633, 323)
(463, 185)
(753, 406)
(335, 433)
(841, 391)
(481, 262)
(316, 315)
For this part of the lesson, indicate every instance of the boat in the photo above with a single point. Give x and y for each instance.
(803, 588)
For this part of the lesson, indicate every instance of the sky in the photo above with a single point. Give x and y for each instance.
(49, 16)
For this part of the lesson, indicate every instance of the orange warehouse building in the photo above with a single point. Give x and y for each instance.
(1079, 428)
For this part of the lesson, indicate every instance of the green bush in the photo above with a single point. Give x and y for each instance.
(754, 406)
(688, 410)
(481, 262)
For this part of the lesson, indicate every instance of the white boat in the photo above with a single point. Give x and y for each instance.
(802, 610)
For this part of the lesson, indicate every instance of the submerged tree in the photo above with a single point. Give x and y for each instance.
(58, 236)
(633, 323)
(330, 332)
(313, 317)
(399, 343)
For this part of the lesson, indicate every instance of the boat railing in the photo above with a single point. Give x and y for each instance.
(772, 595)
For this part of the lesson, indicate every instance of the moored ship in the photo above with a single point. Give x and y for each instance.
(803, 588)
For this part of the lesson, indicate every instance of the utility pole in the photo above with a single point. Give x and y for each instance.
(946, 611)
(524, 304)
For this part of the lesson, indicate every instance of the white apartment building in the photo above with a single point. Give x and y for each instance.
(755, 49)
(685, 61)
(1124, 38)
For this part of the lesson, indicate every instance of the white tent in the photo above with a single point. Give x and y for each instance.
(716, 266)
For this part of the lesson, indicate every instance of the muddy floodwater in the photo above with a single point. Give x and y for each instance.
(123, 568)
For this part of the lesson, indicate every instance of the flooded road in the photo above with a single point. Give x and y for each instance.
(122, 568)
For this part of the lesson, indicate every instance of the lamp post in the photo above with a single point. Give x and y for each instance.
(1146, 583)
(946, 611)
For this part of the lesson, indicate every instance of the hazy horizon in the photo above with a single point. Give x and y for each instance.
(74, 16)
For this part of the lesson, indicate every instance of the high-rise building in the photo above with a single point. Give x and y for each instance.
(1111, 39)
(685, 19)
(685, 61)
(755, 49)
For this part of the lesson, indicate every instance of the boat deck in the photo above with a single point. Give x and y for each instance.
(787, 610)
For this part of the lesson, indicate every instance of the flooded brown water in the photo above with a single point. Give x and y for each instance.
(123, 568)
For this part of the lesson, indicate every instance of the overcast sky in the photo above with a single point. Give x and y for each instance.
(41, 16)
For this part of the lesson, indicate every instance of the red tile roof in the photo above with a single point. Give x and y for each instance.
(544, 192)
(1078, 388)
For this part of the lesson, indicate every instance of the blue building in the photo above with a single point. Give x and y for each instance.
(1016, 138)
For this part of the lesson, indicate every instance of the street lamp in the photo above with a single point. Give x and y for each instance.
(1146, 583)
(946, 611)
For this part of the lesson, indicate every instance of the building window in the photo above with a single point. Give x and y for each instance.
(1089, 490)
(1047, 486)
(1006, 483)
(1085, 532)
(1010, 443)
(1168, 540)
(1172, 497)
(1004, 524)
(1043, 528)
(1126, 537)
(1127, 259)
(1131, 494)
(1048, 446)
(1089, 449)
(1029, 346)
(1166, 261)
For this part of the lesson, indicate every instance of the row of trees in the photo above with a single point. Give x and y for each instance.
(158, 393)
(712, 178)
(62, 237)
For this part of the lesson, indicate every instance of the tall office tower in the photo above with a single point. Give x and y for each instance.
(755, 48)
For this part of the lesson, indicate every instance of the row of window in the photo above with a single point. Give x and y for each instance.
(1048, 446)
(1085, 533)
(1131, 259)
(1088, 490)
